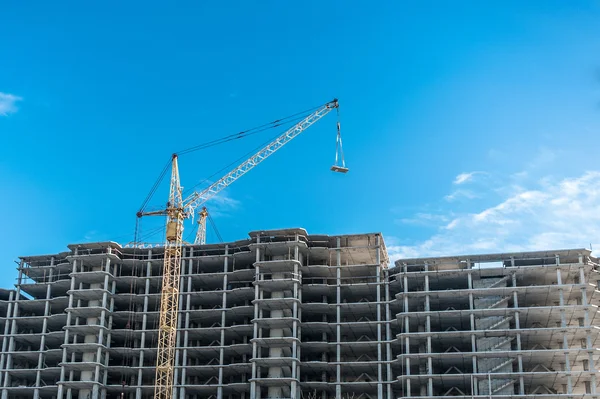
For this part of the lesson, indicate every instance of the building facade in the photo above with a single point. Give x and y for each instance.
(515, 325)
(282, 314)
(285, 314)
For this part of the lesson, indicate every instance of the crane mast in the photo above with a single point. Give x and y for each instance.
(169, 297)
(176, 211)
(201, 233)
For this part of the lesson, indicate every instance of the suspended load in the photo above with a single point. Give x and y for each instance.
(339, 151)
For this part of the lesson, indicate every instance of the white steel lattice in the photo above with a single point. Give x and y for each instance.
(196, 199)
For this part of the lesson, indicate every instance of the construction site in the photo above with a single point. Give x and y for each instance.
(284, 314)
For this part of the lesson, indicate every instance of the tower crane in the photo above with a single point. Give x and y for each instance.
(201, 233)
(177, 210)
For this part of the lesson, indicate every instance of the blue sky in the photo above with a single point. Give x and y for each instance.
(468, 126)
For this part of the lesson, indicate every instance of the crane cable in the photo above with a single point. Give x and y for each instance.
(155, 186)
(338, 143)
(236, 136)
(246, 133)
(197, 226)
(243, 157)
(214, 226)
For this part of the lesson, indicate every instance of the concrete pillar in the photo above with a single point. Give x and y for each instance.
(223, 321)
(380, 378)
(563, 323)
(254, 394)
(518, 328)
(4, 374)
(407, 352)
(140, 376)
(63, 375)
(338, 384)
(186, 321)
(388, 333)
(294, 389)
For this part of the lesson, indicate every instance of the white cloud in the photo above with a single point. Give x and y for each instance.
(466, 177)
(556, 213)
(90, 235)
(462, 193)
(8, 103)
(221, 205)
(457, 194)
(424, 219)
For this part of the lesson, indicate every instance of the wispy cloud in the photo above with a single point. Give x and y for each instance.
(466, 177)
(8, 103)
(553, 213)
(462, 193)
(90, 235)
(425, 219)
(457, 194)
(222, 205)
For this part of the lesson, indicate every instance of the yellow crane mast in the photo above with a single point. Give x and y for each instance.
(179, 209)
(201, 233)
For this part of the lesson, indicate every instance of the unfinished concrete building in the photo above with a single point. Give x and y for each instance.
(514, 325)
(282, 314)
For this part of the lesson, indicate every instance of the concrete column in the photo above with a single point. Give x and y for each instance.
(93, 356)
(380, 378)
(101, 354)
(42, 348)
(295, 326)
(474, 383)
(589, 346)
(591, 364)
(253, 388)
(140, 376)
(518, 327)
(428, 330)
(338, 380)
(186, 323)
(584, 300)
(388, 334)
(223, 321)
(9, 316)
(405, 291)
(13, 330)
(298, 315)
(66, 340)
(407, 352)
(563, 322)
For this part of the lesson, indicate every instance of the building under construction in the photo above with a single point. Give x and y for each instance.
(284, 314)
(515, 325)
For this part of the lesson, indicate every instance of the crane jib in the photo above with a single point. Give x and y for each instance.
(197, 199)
